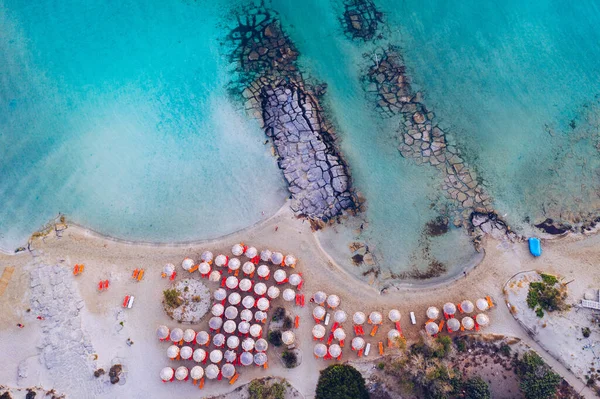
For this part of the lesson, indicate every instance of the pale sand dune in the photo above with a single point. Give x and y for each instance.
(110, 259)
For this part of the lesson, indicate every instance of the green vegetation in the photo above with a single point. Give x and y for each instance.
(260, 389)
(546, 296)
(549, 279)
(476, 388)
(586, 332)
(289, 359)
(537, 380)
(278, 314)
(172, 298)
(274, 337)
(381, 365)
(505, 350)
(341, 381)
(461, 345)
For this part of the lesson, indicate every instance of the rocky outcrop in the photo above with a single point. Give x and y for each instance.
(317, 178)
(361, 19)
(289, 111)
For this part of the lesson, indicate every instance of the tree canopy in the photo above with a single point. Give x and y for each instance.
(341, 381)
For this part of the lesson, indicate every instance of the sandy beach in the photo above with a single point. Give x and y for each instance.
(93, 319)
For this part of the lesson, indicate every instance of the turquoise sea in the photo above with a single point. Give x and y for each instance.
(117, 115)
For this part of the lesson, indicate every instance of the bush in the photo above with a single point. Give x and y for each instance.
(172, 298)
(476, 388)
(539, 312)
(549, 279)
(278, 314)
(341, 381)
(259, 389)
(289, 359)
(274, 337)
(287, 322)
(445, 343)
(546, 296)
(586, 332)
(505, 350)
(381, 365)
(461, 345)
(537, 380)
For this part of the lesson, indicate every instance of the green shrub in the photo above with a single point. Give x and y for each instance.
(259, 389)
(381, 365)
(461, 345)
(172, 298)
(547, 297)
(586, 332)
(289, 359)
(278, 314)
(537, 380)
(505, 350)
(341, 381)
(549, 279)
(476, 388)
(274, 337)
(539, 312)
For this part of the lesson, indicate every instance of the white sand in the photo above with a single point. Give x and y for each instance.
(109, 259)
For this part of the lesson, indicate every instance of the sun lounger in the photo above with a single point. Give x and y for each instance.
(194, 268)
(130, 302)
(381, 348)
(413, 320)
(489, 301)
(297, 322)
(141, 275)
(367, 349)
(234, 379)
(126, 301)
(327, 317)
(135, 273)
(374, 330)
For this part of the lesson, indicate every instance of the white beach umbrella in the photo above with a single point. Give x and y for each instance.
(176, 334)
(251, 252)
(215, 323)
(394, 315)
(244, 327)
(217, 310)
(187, 264)
(173, 351)
(263, 271)
(233, 342)
(232, 282)
(393, 336)
(189, 335)
(319, 312)
(234, 298)
(449, 308)
(260, 289)
(277, 258)
(320, 350)
(273, 292)
(359, 318)
(237, 250)
(295, 279)
(280, 275)
(248, 302)
(245, 285)
(453, 325)
(196, 372)
(318, 331)
(169, 269)
(335, 351)
(231, 312)
(261, 345)
(248, 268)
(376, 318)
(290, 260)
(199, 355)
(262, 304)
(256, 330)
(228, 370)
(482, 319)
(339, 334)
(204, 268)
(218, 340)
(320, 297)
(246, 315)
(289, 295)
(433, 312)
(432, 328)
(162, 332)
(229, 326)
(211, 371)
(288, 337)
(358, 343)
(220, 294)
(186, 352)
(248, 344)
(265, 255)
(206, 256)
(221, 260)
(214, 276)
(181, 373)
(467, 306)
(246, 358)
(260, 316)
(234, 264)
(333, 301)
(260, 358)
(230, 356)
(216, 356)
(340, 316)
(202, 338)
(166, 374)
(468, 323)
(482, 304)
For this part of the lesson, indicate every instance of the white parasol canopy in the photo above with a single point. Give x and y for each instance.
(433, 312)
(482, 304)
(176, 334)
(237, 250)
(288, 337)
(359, 318)
(230, 356)
(196, 372)
(255, 330)
(319, 312)
(211, 371)
(260, 289)
(234, 298)
(214, 276)
(333, 301)
(248, 344)
(251, 252)
(248, 268)
(393, 334)
(467, 306)
(166, 374)
(339, 334)
(204, 268)
(219, 340)
(273, 292)
(215, 323)
(290, 260)
(229, 326)
(453, 324)
(234, 264)
(260, 358)
(245, 285)
(295, 279)
(221, 260)
(216, 356)
(320, 350)
(232, 282)
(206, 256)
(468, 323)
(375, 318)
(220, 294)
(289, 295)
(172, 351)
(482, 319)
(217, 310)
(244, 327)
(318, 331)
(261, 345)
(199, 355)
(189, 335)
(162, 332)
(169, 269)
(320, 297)
(248, 302)
(187, 264)
(186, 352)
(262, 304)
(265, 255)
(202, 338)
(263, 271)
(449, 308)
(432, 328)
(358, 343)
(233, 342)
(181, 373)
(277, 258)
(340, 316)
(260, 316)
(246, 358)
(246, 315)
(394, 315)
(228, 370)
(231, 312)
(279, 275)
(335, 350)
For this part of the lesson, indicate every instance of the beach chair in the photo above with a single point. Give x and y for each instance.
(125, 301)
(330, 339)
(266, 365)
(141, 275)
(301, 282)
(201, 383)
(135, 274)
(398, 327)
(341, 343)
(380, 348)
(234, 378)
(459, 308)
(441, 325)
(173, 276)
(335, 326)
(327, 318)
(194, 268)
(297, 322)
(130, 302)
(374, 330)
(100, 285)
(489, 301)
(360, 352)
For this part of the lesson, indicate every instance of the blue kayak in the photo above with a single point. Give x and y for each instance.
(535, 246)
